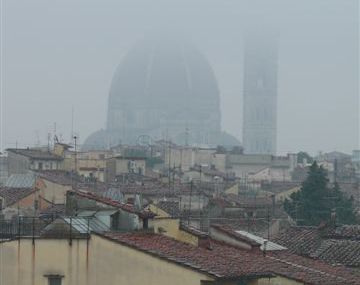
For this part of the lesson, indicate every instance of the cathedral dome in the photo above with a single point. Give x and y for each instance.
(163, 83)
(163, 88)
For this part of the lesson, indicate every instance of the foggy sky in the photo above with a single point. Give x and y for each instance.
(59, 55)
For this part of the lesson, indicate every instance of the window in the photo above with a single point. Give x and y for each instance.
(54, 279)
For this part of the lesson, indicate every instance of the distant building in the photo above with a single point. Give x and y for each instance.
(20, 161)
(260, 95)
(89, 164)
(261, 167)
(3, 169)
(119, 165)
(356, 162)
(163, 88)
(185, 158)
(18, 201)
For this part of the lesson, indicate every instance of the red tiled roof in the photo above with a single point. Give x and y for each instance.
(343, 232)
(300, 240)
(334, 245)
(225, 261)
(13, 195)
(218, 262)
(116, 204)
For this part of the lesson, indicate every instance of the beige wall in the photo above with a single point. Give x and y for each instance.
(280, 197)
(98, 261)
(53, 192)
(278, 281)
(159, 212)
(102, 262)
(271, 174)
(233, 190)
(93, 162)
(187, 157)
(122, 165)
(171, 227)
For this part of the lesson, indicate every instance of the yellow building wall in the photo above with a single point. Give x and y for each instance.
(23, 263)
(277, 281)
(53, 192)
(233, 190)
(102, 262)
(159, 212)
(97, 261)
(280, 197)
(135, 267)
(171, 227)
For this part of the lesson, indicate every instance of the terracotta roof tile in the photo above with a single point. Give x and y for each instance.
(225, 261)
(13, 195)
(339, 245)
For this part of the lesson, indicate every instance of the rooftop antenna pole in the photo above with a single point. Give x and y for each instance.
(75, 144)
(49, 135)
(189, 213)
(54, 138)
(268, 222)
(201, 198)
(169, 163)
(72, 122)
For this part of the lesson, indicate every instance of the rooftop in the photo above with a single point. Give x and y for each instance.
(35, 153)
(21, 181)
(225, 261)
(270, 246)
(170, 207)
(116, 204)
(13, 195)
(59, 177)
(54, 210)
(339, 245)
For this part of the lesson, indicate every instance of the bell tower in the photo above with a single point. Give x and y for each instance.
(260, 94)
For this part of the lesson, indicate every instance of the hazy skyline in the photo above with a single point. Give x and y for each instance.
(61, 55)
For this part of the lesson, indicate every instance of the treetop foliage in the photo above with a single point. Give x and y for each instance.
(318, 202)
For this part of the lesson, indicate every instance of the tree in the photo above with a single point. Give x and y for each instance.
(304, 155)
(220, 149)
(316, 202)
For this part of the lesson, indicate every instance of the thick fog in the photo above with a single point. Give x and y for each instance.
(59, 56)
